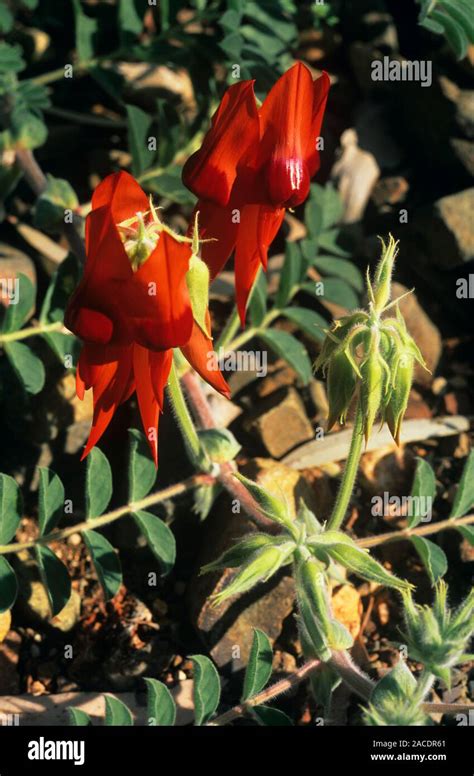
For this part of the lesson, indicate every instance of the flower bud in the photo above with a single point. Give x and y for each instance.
(383, 274)
(197, 281)
(261, 567)
(341, 385)
(371, 388)
(399, 395)
(314, 605)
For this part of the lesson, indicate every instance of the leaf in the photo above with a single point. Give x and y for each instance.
(271, 717)
(11, 508)
(8, 585)
(313, 217)
(358, 561)
(259, 666)
(50, 500)
(106, 562)
(330, 265)
(98, 483)
(333, 290)
(240, 552)
(27, 366)
(467, 532)
(219, 443)
(168, 184)
(116, 712)
(141, 467)
(129, 19)
(86, 28)
(161, 708)
(258, 300)
(78, 717)
(464, 498)
(291, 350)
(51, 204)
(272, 507)
(55, 578)
(204, 498)
(398, 683)
(22, 304)
(453, 32)
(424, 487)
(62, 284)
(310, 322)
(206, 688)
(327, 241)
(290, 274)
(159, 537)
(11, 60)
(433, 557)
(139, 124)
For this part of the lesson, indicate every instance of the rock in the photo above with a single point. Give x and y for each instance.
(279, 378)
(34, 602)
(464, 151)
(356, 172)
(423, 331)
(347, 608)
(389, 191)
(9, 656)
(145, 82)
(280, 422)
(227, 629)
(5, 622)
(449, 236)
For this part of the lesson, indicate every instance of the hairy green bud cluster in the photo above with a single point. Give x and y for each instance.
(438, 636)
(396, 700)
(371, 355)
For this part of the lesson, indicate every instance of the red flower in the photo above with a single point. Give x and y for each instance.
(254, 163)
(132, 307)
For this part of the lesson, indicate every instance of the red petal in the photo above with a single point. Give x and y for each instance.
(93, 326)
(286, 119)
(259, 225)
(122, 194)
(111, 380)
(158, 297)
(200, 354)
(147, 402)
(320, 96)
(220, 224)
(210, 172)
(160, 365)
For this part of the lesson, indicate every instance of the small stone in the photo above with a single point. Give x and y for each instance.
(283, 662)
(9, 656)
(389, 191)
(439, 386)
(280, 378)
(451, 238)
(280, 422)
(347, 608)
(5, 622)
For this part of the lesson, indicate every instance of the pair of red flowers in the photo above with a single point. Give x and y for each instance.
(133, 304)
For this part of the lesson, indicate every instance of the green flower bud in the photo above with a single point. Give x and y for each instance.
(399, 394)
(262, 565)
(371, 389)
(383, 274)
(341, 384)
(197, 281)
(396, 700)
(314, 604)
(438, 637)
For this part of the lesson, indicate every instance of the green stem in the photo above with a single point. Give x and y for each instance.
(97, 522)
(31, 331)
(230, 330)
(185, 422)
(80, 68)
(349, 474)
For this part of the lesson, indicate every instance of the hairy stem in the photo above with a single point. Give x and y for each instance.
(421, 530)
(97, 522)
(349, 474)
(32, 331)
(185, 422)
